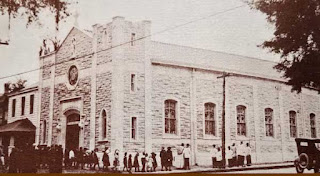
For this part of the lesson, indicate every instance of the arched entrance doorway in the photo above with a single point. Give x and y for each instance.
(72, 131)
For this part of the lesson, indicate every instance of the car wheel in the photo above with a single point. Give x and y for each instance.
(299, 169)
(303, 160)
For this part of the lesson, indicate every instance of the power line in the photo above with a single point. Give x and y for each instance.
(141, 38)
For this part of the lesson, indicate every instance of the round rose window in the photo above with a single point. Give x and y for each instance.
(73, 75)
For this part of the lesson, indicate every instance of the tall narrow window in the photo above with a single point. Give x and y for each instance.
(13, 107)
(133, 38)
(31, 103)
(104, 124)
(105, 38)
(313, 125)
(293, 124)
(268, 118)
(133, 78)
(241, 120)
(23, 103)
(44, 131)
(73, 47)
(170, 117)
(209, 114)
(134, 128)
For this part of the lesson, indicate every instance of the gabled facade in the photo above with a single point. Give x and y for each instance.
(115, 87)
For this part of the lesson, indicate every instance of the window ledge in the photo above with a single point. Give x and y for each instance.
(103, 140)
(206, 136)
(135, 140)
(269, 138)
(171, 136)
(243, 138)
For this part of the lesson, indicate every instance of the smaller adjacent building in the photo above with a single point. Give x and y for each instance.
(22, 115)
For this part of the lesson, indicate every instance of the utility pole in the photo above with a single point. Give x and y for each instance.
(223, 76)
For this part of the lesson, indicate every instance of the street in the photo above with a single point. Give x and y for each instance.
(290, 170)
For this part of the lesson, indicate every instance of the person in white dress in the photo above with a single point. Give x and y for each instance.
(241, 154)
(71, 158)
(229, 156)
(219, 158)
(179, 158)
(213, 154)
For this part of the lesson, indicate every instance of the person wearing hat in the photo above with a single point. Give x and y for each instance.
(105, 159)
(163, 155)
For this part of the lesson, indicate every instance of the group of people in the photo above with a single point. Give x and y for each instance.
(183, 157)
(148, 162)
(81, 158)
(29, 159)
(235, 155)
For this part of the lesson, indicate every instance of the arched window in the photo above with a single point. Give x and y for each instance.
(241, 120)
(170, 116)
(209, 114)
(313, 125)
(103, 124)
(268, 118)
(293, 123)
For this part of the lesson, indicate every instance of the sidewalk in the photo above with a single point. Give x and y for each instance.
(197, 169)
(194, 169)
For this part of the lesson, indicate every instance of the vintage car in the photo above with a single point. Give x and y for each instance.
(309, 155)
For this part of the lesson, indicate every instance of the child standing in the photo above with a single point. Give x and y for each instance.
(125, 162)
(149, 164)
(116, 160)
(130, 163)
(154, 164)
(136, 163)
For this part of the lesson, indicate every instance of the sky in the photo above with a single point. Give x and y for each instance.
(238, 32)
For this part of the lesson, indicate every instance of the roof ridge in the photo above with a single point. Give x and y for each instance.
(222, 52)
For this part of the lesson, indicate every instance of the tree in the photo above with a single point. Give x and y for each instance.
(13, 87)
(296, 38)
(32, 8)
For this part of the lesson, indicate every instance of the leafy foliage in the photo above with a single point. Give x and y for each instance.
(32, 8)
(13, 87)
(296, 38)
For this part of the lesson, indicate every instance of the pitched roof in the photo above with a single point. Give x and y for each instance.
(220, 61)
(23, 125)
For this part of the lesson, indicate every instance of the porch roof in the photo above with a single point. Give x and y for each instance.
(23, 125)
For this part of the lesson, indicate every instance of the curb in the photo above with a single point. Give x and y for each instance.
(248, 168)
(256, 167)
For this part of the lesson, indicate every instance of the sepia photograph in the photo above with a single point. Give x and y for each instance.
(160, 86)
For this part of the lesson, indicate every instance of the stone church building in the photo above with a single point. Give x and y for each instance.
(115, 87)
